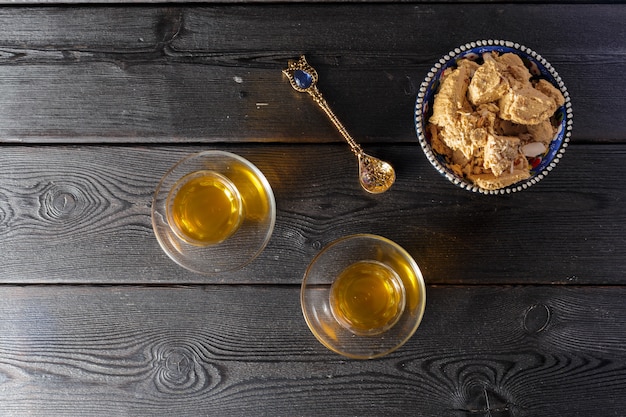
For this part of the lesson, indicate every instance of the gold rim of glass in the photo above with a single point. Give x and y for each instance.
(335, 259)
(242, 242)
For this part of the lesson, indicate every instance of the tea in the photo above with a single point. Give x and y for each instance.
(205, 209)
(367, 297)
(256, 202)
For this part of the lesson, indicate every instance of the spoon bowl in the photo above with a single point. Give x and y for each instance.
(375, 176)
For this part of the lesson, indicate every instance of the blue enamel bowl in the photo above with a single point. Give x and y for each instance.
(538, 67)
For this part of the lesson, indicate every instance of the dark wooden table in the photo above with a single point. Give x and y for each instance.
(525, 312)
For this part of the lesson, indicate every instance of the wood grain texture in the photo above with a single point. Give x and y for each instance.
(81, 214)
(213, 73)
(243, 351)
(525, 314)
(204, 2)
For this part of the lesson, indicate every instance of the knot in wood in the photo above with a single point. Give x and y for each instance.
(536, 318)
(61, 201)
(177, 365)
(484, 401)
(177, 370)
(180, 370)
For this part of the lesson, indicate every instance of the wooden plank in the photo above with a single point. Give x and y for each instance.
(209, 74)
(82, 215)
(204, 2)
(58, 33)
(239, 351)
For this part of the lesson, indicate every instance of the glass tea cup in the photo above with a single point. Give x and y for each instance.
(214, 211)
(363, 296)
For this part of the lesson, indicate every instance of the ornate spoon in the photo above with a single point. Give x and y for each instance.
(375, 176)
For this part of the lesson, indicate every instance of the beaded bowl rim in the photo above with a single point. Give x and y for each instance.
(448, 60)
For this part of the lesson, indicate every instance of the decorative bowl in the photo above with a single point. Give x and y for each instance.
(538, 67)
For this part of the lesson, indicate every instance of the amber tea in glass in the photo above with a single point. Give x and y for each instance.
(254, 196)
(367, 297)
(204, 208)
(363, 296)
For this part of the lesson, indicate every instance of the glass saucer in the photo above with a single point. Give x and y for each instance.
(332, 262)
(258, 214)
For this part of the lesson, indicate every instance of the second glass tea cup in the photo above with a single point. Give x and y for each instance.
(363, 296)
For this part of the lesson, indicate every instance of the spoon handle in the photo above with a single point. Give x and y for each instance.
(321, 101)
(303, 78)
